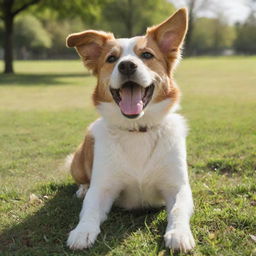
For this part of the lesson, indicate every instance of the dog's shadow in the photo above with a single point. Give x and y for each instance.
(45, 232)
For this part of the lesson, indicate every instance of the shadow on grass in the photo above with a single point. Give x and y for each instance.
(38, 79)
(45, 232)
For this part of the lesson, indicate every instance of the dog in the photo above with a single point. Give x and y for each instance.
(135, 154)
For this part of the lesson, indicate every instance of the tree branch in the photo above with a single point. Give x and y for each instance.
(25, 6)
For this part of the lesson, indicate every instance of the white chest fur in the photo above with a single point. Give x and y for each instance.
(140, 162)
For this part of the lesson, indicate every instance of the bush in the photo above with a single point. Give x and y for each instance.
(30, 37)
(246, 36)
(211, 36)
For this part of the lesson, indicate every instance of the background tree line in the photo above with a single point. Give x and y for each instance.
(33, 29)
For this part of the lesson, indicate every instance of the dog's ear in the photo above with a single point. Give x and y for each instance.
(170, 33)
(89, 45)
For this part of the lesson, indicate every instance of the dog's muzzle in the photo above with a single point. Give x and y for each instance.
(132, 98)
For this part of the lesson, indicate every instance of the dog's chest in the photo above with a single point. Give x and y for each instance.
(138, 169)
(136, 150)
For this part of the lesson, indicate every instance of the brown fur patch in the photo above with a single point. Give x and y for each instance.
(104, 70)
(94, 47)
(169, 91)
(81, 166)
(158, 63)
(162, 66)
(164, 42)
(101, 94)
(89, 45)
(170, 34)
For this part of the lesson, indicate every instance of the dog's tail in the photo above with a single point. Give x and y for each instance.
(67, 163)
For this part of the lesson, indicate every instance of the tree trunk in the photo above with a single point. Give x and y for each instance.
(188, 50)
(8, 35)
(129, 20)
(8, 18)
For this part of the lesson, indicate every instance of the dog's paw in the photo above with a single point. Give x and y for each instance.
(82, 190)
(179, 239)
(82, 237)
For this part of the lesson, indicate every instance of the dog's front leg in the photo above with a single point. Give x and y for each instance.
(179, 204)
(96, 205)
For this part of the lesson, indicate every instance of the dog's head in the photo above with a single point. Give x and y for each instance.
(135, 74)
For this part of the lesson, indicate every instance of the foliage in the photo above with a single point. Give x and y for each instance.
(128, 18)
(14, 7)
(9, 9)
(44, 111)
(211, 36)
(30, 35)
(87, 10)
(246, 36)
(58, 31)
(42, 29)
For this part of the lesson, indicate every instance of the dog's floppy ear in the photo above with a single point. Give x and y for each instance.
(170, 33)
(89, 45)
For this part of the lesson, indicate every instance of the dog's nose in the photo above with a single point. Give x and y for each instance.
(127, 68)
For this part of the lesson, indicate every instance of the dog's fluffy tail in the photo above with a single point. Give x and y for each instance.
(68, 162)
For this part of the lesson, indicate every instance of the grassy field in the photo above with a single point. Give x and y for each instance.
(44, 110)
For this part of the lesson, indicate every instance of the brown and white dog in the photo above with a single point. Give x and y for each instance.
(135, 154)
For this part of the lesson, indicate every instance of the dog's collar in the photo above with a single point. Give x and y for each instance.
(140, 129)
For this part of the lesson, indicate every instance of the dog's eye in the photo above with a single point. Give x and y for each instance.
(111, 59)
(147, 55)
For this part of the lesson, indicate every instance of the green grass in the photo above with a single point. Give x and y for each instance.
(44, 110)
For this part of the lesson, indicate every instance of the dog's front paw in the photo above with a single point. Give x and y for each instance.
(82, 237)
(179, 239)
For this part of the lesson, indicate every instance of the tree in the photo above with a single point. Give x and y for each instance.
(194, 6)
(9, 9)
(246, 32)
(211, 36)
(58, 30)
(127, 18)
(252, 6)
(246, 36)
(30, 36)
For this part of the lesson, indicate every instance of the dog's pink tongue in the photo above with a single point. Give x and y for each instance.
(131, 100)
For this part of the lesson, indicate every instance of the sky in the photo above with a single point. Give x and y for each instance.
(232, 10)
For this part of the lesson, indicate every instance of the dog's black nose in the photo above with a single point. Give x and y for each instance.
(127, 68)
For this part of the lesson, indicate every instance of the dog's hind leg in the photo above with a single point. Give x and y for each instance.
(81, 165)
(81, 192)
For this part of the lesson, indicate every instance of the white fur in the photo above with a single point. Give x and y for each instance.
(143, 76)
(67, 163)
(136, 169)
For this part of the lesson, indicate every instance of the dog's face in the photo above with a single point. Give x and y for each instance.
(134, 74)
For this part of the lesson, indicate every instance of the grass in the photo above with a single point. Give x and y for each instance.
(44, 110)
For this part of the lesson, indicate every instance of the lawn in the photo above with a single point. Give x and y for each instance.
(44, 111)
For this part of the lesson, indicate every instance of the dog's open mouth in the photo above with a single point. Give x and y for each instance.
(132, 98)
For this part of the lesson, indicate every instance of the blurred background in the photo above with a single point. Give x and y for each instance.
(36, 29)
